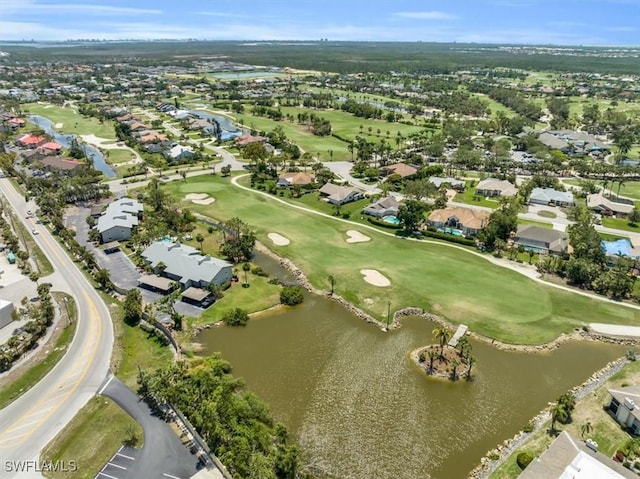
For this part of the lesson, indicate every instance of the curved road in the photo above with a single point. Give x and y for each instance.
(30, 422)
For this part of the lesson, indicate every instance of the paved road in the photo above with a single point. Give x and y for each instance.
(163, 453)
(31, 421)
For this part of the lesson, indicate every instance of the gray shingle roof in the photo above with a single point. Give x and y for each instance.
(548, 195)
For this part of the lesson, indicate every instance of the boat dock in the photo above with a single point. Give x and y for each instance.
(462, 329)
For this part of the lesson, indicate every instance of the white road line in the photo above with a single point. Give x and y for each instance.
(123, 455)
(105, 386)
(116, 465)
(106, 475)
(169, 475)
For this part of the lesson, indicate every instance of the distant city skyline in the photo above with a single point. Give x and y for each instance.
(557, 22)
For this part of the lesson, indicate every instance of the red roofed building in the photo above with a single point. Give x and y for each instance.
(244, 140)
(50, 147)
(30, 141)
(16, 122)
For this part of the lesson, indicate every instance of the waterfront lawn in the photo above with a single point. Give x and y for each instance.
(606, 432)
(72, 121)
(437, 277)
(90, 439)
(119, 155)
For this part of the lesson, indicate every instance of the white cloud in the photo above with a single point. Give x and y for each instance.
(34, 7)
(431, 15)
(621, 29)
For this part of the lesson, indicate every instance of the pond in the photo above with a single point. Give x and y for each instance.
(229, 130)
(65, 140)
(361, 409)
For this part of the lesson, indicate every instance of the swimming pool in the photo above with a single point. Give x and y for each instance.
(391, 219)
(450, 231)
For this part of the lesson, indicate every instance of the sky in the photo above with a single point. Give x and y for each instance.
(559, 22)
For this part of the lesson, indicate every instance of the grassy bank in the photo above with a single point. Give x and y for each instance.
(72, 121)
(606, 432)
(90, 439)
(12, 389)
(438, 278)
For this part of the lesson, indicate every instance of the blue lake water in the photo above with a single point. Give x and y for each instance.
(65, 140)
(229, 130)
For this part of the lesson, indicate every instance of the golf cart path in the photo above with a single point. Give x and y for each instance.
(523, 270)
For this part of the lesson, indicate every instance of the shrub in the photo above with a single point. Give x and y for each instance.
(528, 428)
(451, 238)
(235, 317)
(291, 295)
(258, 271)
(523, 459)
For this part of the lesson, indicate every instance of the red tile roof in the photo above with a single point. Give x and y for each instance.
(51, 146)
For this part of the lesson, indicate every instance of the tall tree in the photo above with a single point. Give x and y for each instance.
(239, 240)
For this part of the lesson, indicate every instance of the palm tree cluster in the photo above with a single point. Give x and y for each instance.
(561, 411)
(462, 356)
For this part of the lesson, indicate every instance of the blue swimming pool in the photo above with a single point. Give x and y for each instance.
(450, 231)
(391, 219)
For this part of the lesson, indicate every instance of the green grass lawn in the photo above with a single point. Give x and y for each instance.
(90, 439)
(73, 122)
(610, 237)
(523, 221)
(13, 389)
(436, 277)
(469, 197)
(606, 432)
(619, 224)
(494, 106)
(119, 155)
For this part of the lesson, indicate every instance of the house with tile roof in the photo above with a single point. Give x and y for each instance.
(388, 206)
(457, 185)
(285, 180)
(466, 220)
(605, 206)
(401, 169)
(490, 187)
(340, 195)
(30, 141)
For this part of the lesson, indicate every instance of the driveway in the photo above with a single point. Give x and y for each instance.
(163, 453)
(343, 170)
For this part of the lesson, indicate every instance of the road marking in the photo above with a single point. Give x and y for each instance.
(102, 389)
(106, 475)
(169, 475)
(92, 348)
(116, 465)
(123, 455)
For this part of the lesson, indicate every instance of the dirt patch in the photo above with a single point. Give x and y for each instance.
(356, 237)
(278, 239)
(375, 278)
(207, 201)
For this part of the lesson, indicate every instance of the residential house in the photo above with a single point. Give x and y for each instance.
(571, 141)
(569, 458)
(384, 207)
(340, 195)
(152, 137)
(550, 196)
(118, 220)
(187, 265)
(457, 185)
(50, 148)
(623, 408)
(285, 180)
(135, 125)
(541, 240)
(245, 139)
(466, 220)
(179, 153)
(495, 187)
(30, 141)
(603, 205)
(401, 169)
(60, 163)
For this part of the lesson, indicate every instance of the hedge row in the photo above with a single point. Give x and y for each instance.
(451, 238)
(375, 221)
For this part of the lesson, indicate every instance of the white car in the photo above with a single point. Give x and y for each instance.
(34, 231)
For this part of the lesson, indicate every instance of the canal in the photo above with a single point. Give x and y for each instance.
(92, 152)
(361, 409)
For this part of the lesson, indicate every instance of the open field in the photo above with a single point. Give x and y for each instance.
(436, 277)
(494, 106)
(606, 432)
(13, 388)
(90, 439)
(73, 122)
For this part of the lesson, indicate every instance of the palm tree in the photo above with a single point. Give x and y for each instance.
(200, 239)
(103, 279)
(558, 413)
(332, 282)
(454, 369)
(470, 362)
(432, 355)
(442, 335)
(586, 428)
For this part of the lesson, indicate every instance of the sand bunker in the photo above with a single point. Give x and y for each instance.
(199, 198)
(356, 237)
(57, 126)
(375, 278)
(278, 239)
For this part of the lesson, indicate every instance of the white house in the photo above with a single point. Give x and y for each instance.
(117, 222)
(179, 152)
(624, 409)
(550, 196)
(6, 311)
